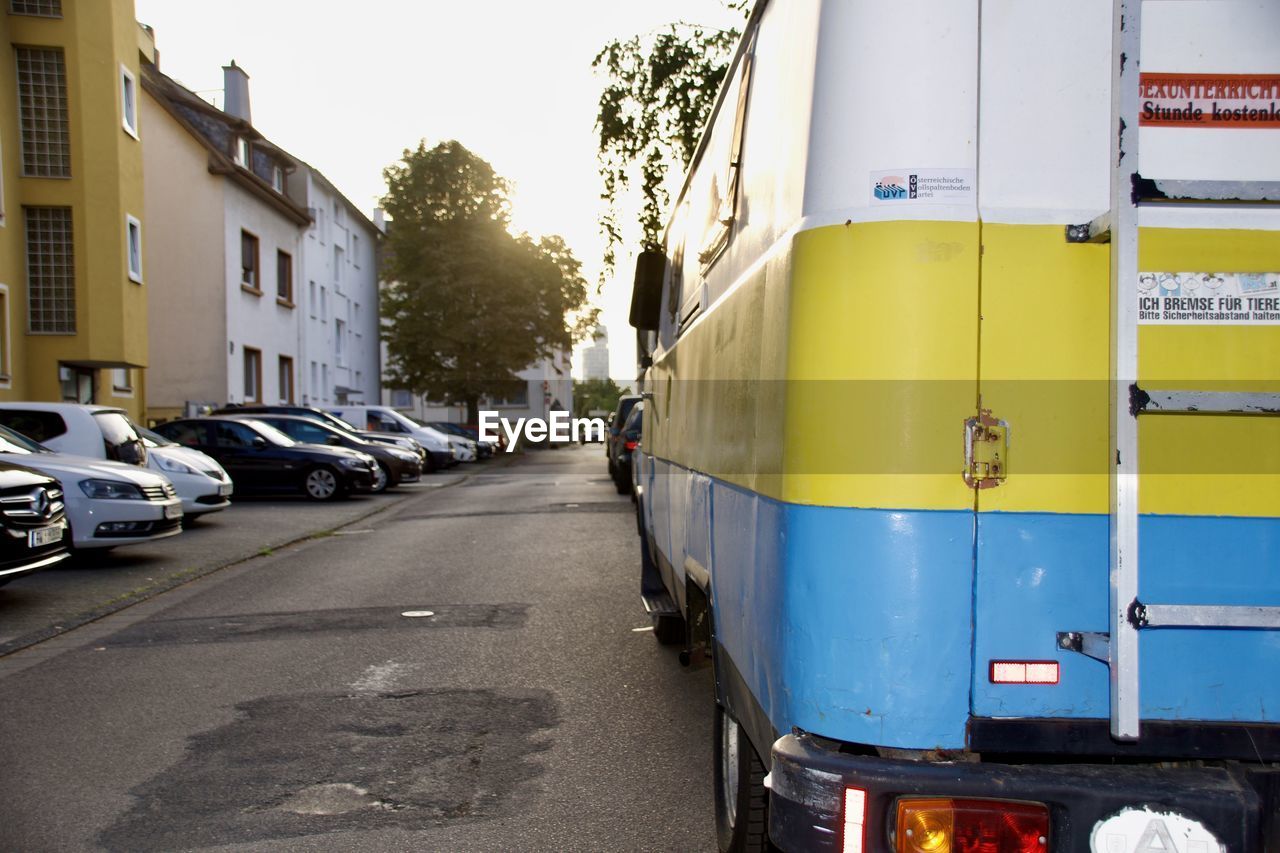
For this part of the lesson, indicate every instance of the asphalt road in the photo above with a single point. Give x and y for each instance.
(288, 703)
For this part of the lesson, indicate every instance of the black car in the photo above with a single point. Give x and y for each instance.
(263, 460)
(395, 465)
(402, 441)
(625, 404)
(33, 516)
(628, 438)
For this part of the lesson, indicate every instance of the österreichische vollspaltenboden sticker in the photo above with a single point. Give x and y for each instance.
(923, 186)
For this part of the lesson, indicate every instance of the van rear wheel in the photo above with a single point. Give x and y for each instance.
(742, 803)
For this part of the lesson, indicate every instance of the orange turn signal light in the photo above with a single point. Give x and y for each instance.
(945, 825)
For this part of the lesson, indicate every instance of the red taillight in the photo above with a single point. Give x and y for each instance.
(1024, 672)
(631, 445)
(940, 825)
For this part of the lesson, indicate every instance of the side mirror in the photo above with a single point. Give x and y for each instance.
(646, 291)
(259, 442)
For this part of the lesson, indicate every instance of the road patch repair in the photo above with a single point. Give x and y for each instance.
(293, 766)
(270, 626)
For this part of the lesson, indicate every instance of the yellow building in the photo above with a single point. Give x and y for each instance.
(73, 303)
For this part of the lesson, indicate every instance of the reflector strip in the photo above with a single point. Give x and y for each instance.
(855, 819)
(1024, 672)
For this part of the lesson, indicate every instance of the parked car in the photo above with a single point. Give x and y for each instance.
(395, 465)
(444, 451)
(99, 432)
(33, 517)
(104, 432)
(203, 485)
(263, 460)
(625, 404)
(108, 503)
(484, 447)
(628, 439)
(406, 442)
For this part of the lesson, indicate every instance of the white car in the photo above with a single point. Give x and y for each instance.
(105, 432)
(202, 484)
(385, 419)
(108, 503)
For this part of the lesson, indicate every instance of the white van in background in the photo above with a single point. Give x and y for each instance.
(443, 449)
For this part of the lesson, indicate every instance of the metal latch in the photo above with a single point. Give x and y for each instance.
(986, 451)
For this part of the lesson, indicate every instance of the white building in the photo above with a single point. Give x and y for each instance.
(338, 296)
(264, 285)
(595, 358)
(223, 250)
(548, 387)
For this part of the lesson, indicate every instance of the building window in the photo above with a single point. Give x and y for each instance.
(324, 380)
(42, 112)
(286, 379)
(277, 179)
(324, 304)
(129, 101)
(355, 250)
(315, 380)
(320, 223)
(249, 262)
(242, 152)
(284, 278)
(122, 381)
(39, 8)
(79, 384)
(252, 375)
(133, 247)
(339, 342)
(311, 299)
(401, 398)
(51, 273)
(337, 265)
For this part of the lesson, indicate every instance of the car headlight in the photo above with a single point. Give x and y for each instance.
(111, 490)
(173, 465)
(405, 455)
(354, 462)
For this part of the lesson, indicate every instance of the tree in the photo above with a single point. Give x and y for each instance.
(592, 394)
(659, 93)
(466, 303)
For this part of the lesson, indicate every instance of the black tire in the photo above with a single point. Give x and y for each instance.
(742, 803)
(322, 483)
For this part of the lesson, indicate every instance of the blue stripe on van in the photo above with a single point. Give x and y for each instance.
(857, 624)
(1041, 573)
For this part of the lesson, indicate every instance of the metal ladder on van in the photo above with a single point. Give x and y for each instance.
(1129, 615)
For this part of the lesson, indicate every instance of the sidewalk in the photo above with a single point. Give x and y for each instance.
(44, 605)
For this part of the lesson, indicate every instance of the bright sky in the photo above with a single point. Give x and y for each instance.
(347, 91)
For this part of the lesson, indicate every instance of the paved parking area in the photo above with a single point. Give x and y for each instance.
(91, 585)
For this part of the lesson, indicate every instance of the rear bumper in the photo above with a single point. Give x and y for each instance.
(1237, 803)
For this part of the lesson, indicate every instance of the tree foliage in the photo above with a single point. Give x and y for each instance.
(590, 395)
(660, 89)
(467, 303)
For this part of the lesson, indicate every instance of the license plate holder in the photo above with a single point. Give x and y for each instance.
(224, 490)
(172, 511)
(42, 536)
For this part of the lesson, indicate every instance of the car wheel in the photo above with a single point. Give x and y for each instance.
(321, 484)
(381, 479)
(742, 803)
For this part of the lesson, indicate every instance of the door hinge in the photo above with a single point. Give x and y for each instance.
(986, 451)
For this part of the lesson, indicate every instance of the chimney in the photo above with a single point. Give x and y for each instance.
(380, 219)
(235, 95)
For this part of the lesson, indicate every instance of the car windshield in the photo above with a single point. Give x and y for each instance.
(272, 434)
(154, 439)
(15, 442)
